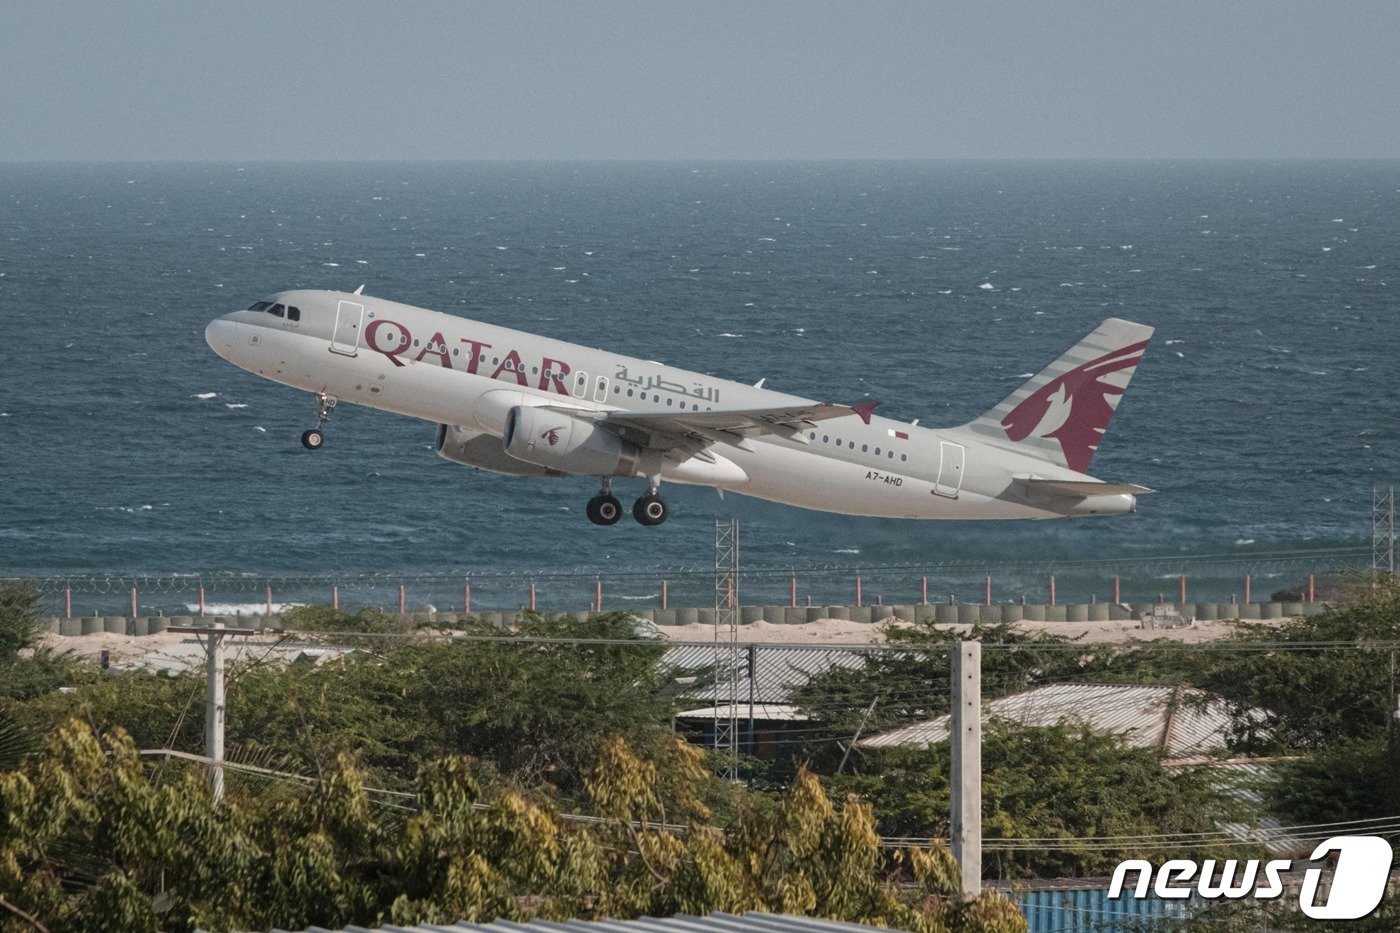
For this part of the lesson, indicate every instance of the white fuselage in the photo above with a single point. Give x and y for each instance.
(454, 371)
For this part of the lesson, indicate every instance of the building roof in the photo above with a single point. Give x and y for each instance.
(1180, 721)
(777, 669)
(751, 922)
(767, 712)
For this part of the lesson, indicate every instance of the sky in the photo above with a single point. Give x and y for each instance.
(646, 79)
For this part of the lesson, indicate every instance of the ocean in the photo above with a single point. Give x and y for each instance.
(1264, 411)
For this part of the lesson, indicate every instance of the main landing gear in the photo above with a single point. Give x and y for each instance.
(604, 509)
(315, 438)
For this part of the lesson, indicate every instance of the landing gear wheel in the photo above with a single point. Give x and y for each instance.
(313, 439)
(650, 510)
(604, 509)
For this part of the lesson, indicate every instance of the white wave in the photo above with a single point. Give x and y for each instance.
(503, 247)
(986, 286)
(639, 598)
(731, 335)
(557, 268)
(1243, 541)
(847, 550)
(204, 396)
(420, 255)
(948, 291)
(361, 262)
(333, 265)
(260, 430)
(240, 609)
(1025, 375)
(235, 405)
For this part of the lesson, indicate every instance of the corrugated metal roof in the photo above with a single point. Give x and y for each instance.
(1182, 722)
(751, 922)
(768, 712)
(778, 669)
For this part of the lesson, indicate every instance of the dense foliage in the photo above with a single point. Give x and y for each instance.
(1060, 783)
(90, 841)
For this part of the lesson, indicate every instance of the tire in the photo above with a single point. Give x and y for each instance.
(313, 439)
(604, 510)
(650, 510)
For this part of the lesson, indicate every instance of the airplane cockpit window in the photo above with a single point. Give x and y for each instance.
(260, 306)
(278, 310)
(293, 314)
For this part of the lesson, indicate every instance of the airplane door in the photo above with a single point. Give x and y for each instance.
(950, 469)
(349, 315)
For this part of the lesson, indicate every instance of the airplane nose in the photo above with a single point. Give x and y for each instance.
(219, 336)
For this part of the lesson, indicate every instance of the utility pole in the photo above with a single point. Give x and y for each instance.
(212, 637)
(966, 736)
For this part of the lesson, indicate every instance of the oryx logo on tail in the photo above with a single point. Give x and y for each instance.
(1075, 408)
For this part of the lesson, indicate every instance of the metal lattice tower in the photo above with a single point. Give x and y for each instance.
(726, 706)
(1383, 529)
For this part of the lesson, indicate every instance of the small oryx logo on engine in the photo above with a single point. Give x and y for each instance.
(552, 435)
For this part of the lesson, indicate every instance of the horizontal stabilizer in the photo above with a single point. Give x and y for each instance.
(1082, 489)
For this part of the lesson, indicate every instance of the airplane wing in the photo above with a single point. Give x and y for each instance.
(696, 430)
(1081, 489)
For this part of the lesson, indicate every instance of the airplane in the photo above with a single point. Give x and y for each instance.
(517, 403)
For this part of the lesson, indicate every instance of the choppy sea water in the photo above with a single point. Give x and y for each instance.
(1264, 410)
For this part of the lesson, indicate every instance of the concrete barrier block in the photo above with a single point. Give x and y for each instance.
(859, 613)
(1271, 610)
(1312, 609)
(705, 616)
(925, 613)
(70, 627)
(969, 613)
(1293, 610)
(1011, 612)
(142, 626)
(1077, 612)
(1098, 612)
(813, 613)
(775, 615)
(881, 612)
(687, 615)
(50, 625)
(945, 612)
(1033, 612)
(115, 625)
(1056, 614)
(446, 619)
(665, 616)
(1120, 612)
(492, 618)
(905, 613)
(750, 614)
(1250, 611)
(839, 612)
(159, 624)
(1207, 612)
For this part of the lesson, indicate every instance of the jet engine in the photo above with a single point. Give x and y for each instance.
(557, 441)
(483, 451)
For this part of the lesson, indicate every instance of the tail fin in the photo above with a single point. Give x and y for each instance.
(1061, 415)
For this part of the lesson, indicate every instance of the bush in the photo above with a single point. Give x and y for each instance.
(19, 617)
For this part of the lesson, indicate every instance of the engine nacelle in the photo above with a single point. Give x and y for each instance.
(483, 451)
(559, 442)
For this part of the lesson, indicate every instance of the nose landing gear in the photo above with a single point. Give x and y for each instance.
(315, 438)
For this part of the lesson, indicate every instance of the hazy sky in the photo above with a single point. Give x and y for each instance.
(645, 80)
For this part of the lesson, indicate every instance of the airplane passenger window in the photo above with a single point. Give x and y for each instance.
(260, 306)
(456, 351)
(838, 442)
(293, 314)
(826, 438)
(877, 451)
(852, 445)
(864, 448)
(891, 454)
(903, 457)
(629, 393)
(670, 401)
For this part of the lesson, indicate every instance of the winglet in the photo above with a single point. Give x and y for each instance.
(865, 409)
(360, 290)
